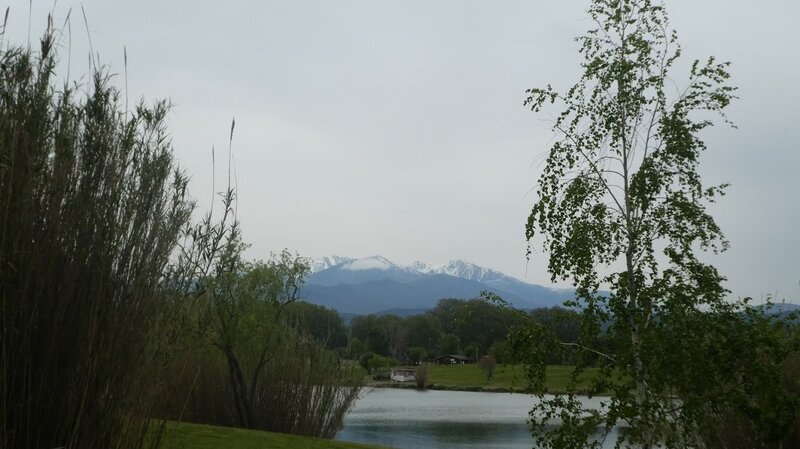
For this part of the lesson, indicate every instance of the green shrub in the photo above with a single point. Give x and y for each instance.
(421, 377)
(251, 365)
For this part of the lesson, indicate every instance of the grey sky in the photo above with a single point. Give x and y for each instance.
(397, 128)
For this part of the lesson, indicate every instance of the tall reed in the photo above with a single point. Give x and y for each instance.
(91, 206)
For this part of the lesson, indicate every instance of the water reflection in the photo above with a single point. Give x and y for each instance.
(408, 419)
(418, 434)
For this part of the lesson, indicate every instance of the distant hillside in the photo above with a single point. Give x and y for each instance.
(375, 284)
(781, 310)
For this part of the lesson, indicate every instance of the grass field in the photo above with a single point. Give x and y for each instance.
(196, 436)
(505, 378)
(472, 377)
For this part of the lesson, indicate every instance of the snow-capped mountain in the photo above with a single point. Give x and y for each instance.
(422, 267)
(373, 263)
(466, 270)
(455, 268)
(356, 271)
(495, 279)
(373, 284)
(323, 263)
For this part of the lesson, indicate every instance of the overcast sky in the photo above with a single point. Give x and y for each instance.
(397, 128)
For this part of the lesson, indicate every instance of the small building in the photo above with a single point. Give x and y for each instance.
(403, 375)
(452, 359)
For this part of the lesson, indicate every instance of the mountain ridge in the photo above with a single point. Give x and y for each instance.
(375, 284)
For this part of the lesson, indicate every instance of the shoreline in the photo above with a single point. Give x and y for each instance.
(441, 387)
(504, 379)
(472, 389)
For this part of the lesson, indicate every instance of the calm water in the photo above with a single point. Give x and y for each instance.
(410, 419)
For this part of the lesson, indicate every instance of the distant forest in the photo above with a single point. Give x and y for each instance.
(473, 328)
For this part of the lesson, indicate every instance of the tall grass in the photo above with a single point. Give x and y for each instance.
(91, 206)
(304, 389)
(307, 390)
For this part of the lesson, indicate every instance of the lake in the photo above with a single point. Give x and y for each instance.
(410, 419)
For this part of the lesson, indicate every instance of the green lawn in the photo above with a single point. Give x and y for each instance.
(196, 436)
(470, 376)
(504, 378)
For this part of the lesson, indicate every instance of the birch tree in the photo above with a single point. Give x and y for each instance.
(621, 205)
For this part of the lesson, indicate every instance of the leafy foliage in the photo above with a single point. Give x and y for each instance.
(258, 363)
(454, 326)
(321, 323)
(621, 190)
(278, 376)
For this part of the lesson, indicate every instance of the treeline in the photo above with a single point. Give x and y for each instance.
(473, 328)
(118, 310)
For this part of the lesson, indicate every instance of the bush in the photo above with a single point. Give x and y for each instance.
(365, 361)
(382, 375)
(255, 367)
(421, 377)
(371, 361)
(487, 364)
(304, 390)
(417, 355)
(379, 361)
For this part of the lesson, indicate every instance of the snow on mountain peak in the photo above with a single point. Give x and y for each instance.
(422, 267)
(467, 270)
(323, 263)
(455, 268)
(370, 263)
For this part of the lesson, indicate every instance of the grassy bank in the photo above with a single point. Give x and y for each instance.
(195, 436)
(504, 378)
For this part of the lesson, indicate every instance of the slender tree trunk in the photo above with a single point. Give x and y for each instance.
(640, 373)
(634, 306)
(242, 399)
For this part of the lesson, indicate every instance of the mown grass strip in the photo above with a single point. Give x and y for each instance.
(198, 436)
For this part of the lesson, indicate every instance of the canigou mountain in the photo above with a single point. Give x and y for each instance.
(376, 284)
